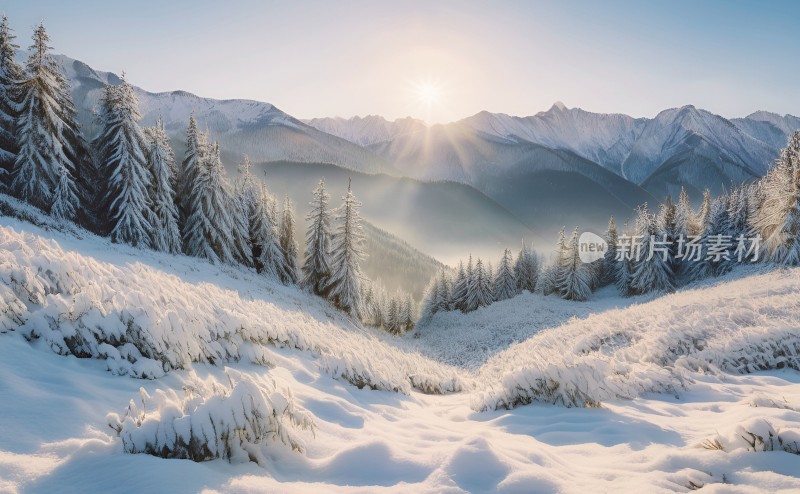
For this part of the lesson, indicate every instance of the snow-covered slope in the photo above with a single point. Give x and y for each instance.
(259, 375)
(368, 130)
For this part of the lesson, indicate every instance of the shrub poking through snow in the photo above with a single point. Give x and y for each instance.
(237, 422)
(756, 435)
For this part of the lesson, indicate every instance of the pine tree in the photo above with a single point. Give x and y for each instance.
(268, 257)
(480, 292)
(211, 230)
(610, 256)
(316, 268)
(191, 167)
(443, 292)
(166, 236)
(458, 294)
(346, 257)
(407, 321)
(47, 132)
(701, 219)
(652, 273)
(505, 282)
(624, 270)
(121, 146)
(288, 243)
(777, 219)
(574, 282)
(11, 74)
(668, 231)
(526, 269)
(430, 301)
(684, 220)
(547, 279)
(65, 201)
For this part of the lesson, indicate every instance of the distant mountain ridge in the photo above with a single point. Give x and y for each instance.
(683, 146)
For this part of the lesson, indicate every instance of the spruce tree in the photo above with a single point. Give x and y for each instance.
(458, 294)
(430, 301)
(610, 256)
(777, 218)
(191, 167)
(65, 201)
(47, 132)
(316, 267)
(122, 151)
(346, 256)
(288, 243)
(443, 292)
(505, 282)
(652, 272)
(11, 75)
(166, 236)
(268, 257)
(574, 281)
(526, 269)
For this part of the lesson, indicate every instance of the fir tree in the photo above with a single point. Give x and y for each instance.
(777, 219)
(288, 243)
(505, 282)
(574, 282)
(47, 132)
(458, 294)
(624, 271)
(316, 268)
(191, 167)
(653, 272)
(443, 292)
(121, 145)
(610, 256)
(393, 316)
(346, 257)
(479, 292)
(11, 74)
(65, 201)
(267, 255)
(430, 301)
(166, 235)
(526, 269)
(407, 319)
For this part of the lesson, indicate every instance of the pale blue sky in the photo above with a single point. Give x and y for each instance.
(368, 57)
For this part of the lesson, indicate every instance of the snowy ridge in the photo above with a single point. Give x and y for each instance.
(742, 326)
(103, 306)
(369, 130)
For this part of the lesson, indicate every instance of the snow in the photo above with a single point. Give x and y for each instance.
(292, 354)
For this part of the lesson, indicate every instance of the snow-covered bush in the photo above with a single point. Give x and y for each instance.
(237, 422)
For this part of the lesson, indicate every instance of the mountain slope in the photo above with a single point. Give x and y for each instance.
(444, 219)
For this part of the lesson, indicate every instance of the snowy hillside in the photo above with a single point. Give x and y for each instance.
(221, 346)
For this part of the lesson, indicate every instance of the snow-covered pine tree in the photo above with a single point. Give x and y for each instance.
(212, 230)
(430, 300)
(11, 74)
(624, 270)
(346, 256)
(122, 148)
(684, 217)
(443, 292)
(65, 200)
(547, 279)
(458, 294)
(738, 211)
(526, 269)
(652, 273)
(407, 321)
(700, 220)
(191, 167)
(777, 219)
(668, 230)
(166, 236)
(288, 242)
(574, 282)
(393, 316)
(505, 282)
(610, 256)
(47, 131)
(480, 292)
(316, 267)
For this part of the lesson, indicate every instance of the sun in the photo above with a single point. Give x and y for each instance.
(428, 93)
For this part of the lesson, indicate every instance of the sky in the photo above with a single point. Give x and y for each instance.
(440, 61)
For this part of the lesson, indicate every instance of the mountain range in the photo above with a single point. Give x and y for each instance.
(525, 176)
